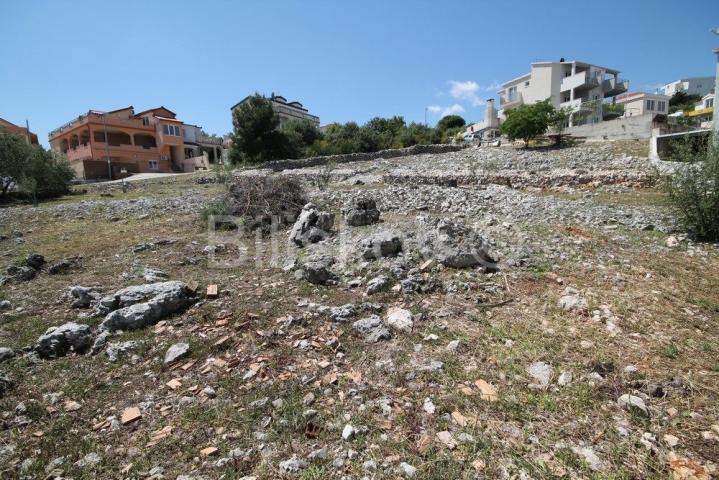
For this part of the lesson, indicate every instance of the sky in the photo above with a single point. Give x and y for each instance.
(344, 60)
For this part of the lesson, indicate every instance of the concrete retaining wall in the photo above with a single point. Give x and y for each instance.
(278, 165)
(628, 128)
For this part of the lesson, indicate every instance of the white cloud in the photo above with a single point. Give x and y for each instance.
(493, 87)
(444, 111)
(452, 110)
(466, 91)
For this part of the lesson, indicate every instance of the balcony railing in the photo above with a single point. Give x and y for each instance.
(508, 100)
(614, 86)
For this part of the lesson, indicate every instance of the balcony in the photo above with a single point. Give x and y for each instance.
(510, 100)
(614, 86)
(580, 81)
(79, 152)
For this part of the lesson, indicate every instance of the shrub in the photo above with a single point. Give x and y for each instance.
(37, 172)
(694, 188)
(259, 199)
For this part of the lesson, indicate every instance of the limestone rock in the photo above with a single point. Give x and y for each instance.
(399, 319)
(58, 341)
(313, 225)
(83, 297)
(454, 244)
(379, 245)
(176, 352)
(372, 328)
(142, 305)
(6, 354)
(361, 211)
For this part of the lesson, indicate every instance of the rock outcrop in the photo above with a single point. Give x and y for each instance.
(59, 341)
(313, 225)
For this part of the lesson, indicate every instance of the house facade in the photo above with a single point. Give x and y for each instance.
(641, 103)
(488, 129)
(286, 110)
(11, 128)
(691, 86)
(581, 87)
(116, 144)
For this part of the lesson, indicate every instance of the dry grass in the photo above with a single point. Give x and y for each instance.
(665, 301)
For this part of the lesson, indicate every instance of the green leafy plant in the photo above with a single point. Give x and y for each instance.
(693, 188)
(527, 122)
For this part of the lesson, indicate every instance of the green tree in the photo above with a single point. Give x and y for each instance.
(527, 122)
(301, 136)
(682, 101)
(559, 120)
(256, 136)
(45, 174)
(14, 151)
(450, 121)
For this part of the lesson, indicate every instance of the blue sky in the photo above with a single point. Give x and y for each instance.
(345, 60)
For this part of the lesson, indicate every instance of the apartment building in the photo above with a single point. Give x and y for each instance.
(121, 142)
(691, 86)
(11, 128)
(641, 103)
(582, 87)
(286, 110)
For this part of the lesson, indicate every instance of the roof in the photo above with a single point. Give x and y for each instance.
(526, 75)
(274, 98)
(627, 97)
(584, 64)
(155, 109)
(168, 119)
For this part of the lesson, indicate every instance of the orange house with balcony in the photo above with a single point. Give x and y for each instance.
(119, 143)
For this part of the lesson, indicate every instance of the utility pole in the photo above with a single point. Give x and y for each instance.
(425, 117)
(107, 148)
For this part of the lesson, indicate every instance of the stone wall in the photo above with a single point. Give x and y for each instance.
(278, 165)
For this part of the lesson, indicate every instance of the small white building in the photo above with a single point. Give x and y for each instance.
(487, 129)
(691, 86)
(641, 103)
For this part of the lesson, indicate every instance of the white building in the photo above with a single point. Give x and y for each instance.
(691, 86)
(581, 87)
(197, 144)
(287, 110)
(641, 103)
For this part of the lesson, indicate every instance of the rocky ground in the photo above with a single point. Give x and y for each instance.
(487, 313)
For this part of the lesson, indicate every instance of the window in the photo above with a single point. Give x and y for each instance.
(153, 164)
(650, 104)
(661, 106)
(171, 130)
(710, 102)
(526, 84)
(145, 121)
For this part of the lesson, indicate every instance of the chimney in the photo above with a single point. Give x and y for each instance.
(490, 114)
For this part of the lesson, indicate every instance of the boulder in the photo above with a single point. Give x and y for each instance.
(5, 305)
(361, 211)
(64, 266)
(58, 341)
(454, 244)
(176, 352)
(83, 297)
(142, 305)
(372, 328)
(6, 354)
(377, 284)
(316, 269)
(17, 274)
(379, 245)
(34, 261)
(312, 225)
(399, 319)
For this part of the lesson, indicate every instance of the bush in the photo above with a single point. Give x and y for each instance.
(694, 188)
(259, 199)
(37, 172)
